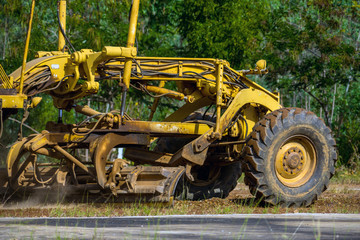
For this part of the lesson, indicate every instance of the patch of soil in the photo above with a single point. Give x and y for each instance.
(339, 198)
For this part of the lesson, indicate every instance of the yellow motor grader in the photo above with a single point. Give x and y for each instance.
(286, 154)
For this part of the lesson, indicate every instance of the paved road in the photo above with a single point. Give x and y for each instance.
(243, 226)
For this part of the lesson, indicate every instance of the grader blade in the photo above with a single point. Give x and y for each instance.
(126, 183)
(147, 183)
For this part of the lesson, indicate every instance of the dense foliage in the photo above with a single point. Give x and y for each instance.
(312, 47)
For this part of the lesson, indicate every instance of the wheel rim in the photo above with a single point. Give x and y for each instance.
(295, 161)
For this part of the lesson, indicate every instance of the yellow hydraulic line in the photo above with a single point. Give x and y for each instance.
(165, 92)
(131, 41)
(62, 16)
(156, 102)
(26, 47)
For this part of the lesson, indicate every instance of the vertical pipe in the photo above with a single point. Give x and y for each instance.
(128, 61)
(131, 41)
(123, 101)
(26, 48)
(62, 17)
(60, 115)
(133, 23)
(219, 84)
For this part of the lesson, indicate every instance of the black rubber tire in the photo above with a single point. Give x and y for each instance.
(220, 187)
(263, 145)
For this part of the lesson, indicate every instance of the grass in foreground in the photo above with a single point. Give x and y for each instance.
(343, 196)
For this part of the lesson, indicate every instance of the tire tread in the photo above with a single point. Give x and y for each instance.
(262, 133)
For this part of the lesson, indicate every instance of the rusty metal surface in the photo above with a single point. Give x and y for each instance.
(155, 184)
(132, 183)
(101, 147)
(160, 128)
(146, 156)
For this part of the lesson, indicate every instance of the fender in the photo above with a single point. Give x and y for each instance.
(196, 150)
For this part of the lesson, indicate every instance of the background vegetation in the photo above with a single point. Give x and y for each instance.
(312, 48)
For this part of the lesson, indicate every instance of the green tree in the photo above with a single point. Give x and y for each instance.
(313, 46)
(231, 30)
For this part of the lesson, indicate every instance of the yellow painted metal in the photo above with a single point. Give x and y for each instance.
(85, 62)
(70, 137)
(72, 159)
(219, 95)
(295, 161)
(10, 100)
(5, 80)
(188, 108)
(86, 110)
(191, 65)
(169, 93)
(40, 54)
(165, 92)
(62, 16)
(26, 50)
(131, 41)
(261, 64)
(196, 151)
(174, 128)
(246, 96)
(14, 152)
(35, 101)
(88, 61)
(13, 101)
(251, 116)
(155, 103)
(178, 67)
(35, 63)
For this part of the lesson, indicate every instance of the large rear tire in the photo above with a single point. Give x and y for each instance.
(289, 158)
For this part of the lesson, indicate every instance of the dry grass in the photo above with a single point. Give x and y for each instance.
(343, 196)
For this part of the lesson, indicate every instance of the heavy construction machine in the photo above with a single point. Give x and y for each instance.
(226, 126)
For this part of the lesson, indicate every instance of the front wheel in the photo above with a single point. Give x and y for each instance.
(289, 158)
(210, 181)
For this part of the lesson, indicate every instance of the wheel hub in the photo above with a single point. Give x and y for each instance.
(293, 160)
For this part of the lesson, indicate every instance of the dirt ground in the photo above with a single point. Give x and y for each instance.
(339, 198)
